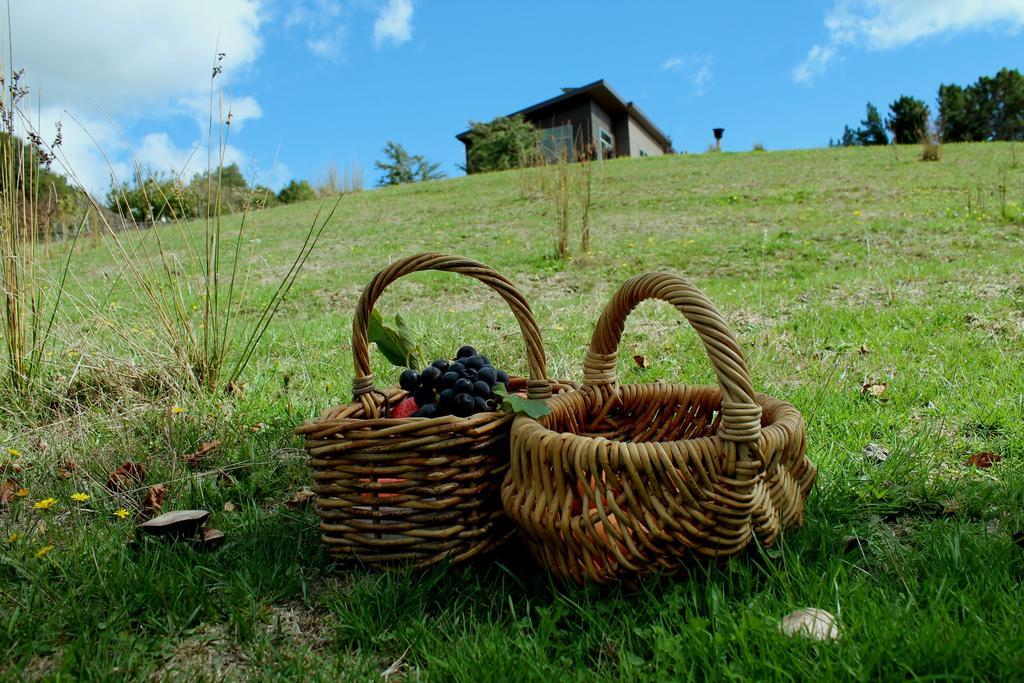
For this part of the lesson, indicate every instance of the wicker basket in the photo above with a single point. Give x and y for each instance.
(415, 491)
(621, 481)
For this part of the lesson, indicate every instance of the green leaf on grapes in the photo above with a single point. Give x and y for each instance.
(521, 406)
(396, 344)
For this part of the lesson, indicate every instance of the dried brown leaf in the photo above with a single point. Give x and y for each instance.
(300, 498)
(983, 459)
(851, 543)
(127, 476)
(211, 539)
(154, 501)
(864, 350)
(642, 361)
(875, 389)
(230, 507)
(192, 459)
(67, 467)
(8, 491)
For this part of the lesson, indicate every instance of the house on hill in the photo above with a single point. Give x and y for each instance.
(591, 119)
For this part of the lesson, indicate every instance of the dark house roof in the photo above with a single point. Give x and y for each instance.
(601, 93)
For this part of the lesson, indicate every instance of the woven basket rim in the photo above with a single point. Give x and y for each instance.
(393, 395)
(782, 412)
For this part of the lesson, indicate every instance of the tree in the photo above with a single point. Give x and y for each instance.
(1005, 94)
(427, 170)
(872, 132)
(296, 191)
(955, 123)
(26, 167)
(908, 120)
(154, 198)
(849, 138)
(990, 109)
(402, 167)
(225, 186)
(504, 143)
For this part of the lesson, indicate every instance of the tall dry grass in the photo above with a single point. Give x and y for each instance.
(31, 297)
(196, 277)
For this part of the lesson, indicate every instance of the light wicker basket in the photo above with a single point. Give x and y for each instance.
(415, 491)
(619, 481)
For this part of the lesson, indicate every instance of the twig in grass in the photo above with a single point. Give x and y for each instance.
(396, 665)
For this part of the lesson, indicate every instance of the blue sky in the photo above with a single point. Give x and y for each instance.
(318, 82)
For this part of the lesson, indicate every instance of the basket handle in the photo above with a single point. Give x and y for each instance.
(741, 415)
(363, 387)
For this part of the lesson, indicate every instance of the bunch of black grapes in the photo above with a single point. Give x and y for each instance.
(461, 387)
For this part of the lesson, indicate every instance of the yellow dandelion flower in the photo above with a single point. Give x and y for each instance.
(21, 493)
(42, 552)
(121, 513)
(177, 410)
(79, 497)
(14, 538)
(14, 452)
(857, 212)
(45, 503)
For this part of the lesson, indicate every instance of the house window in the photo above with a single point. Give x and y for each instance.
(556, 143)
(607, 143)
(643, 153)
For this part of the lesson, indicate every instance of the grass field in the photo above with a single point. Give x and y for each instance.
(837, 268)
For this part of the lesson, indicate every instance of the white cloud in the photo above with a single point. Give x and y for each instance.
(323, 22)
(393, 24)
(124, 64)
(331, 45)
(890, 24)
(815, 64)
(672, 63)
(236, 109)
(697, 68)
(125, 53)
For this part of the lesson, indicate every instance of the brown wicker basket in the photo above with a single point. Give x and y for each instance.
(415, 491)
(621, 481)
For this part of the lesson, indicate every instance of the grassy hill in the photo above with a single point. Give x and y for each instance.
(837, 268)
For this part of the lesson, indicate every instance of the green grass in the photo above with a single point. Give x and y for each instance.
(810, 255)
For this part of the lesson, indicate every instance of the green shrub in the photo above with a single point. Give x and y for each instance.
(296, 191)
(402, 167)
(908, 120)
(504, 143)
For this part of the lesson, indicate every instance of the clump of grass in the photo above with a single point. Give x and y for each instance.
(199, 298)
(29, 304)
(567, 183)
(334, 182)
(586, 194)
(931, 141)
(758, 146)
(561, 195)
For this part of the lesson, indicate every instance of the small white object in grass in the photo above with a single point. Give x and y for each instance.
(811, 623)
(876, 452)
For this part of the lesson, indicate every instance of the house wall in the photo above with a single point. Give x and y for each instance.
(578, 116)
(599, 118)
(621, 136)
(639, 141)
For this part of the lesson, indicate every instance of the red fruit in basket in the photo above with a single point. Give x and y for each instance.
(405, 408)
